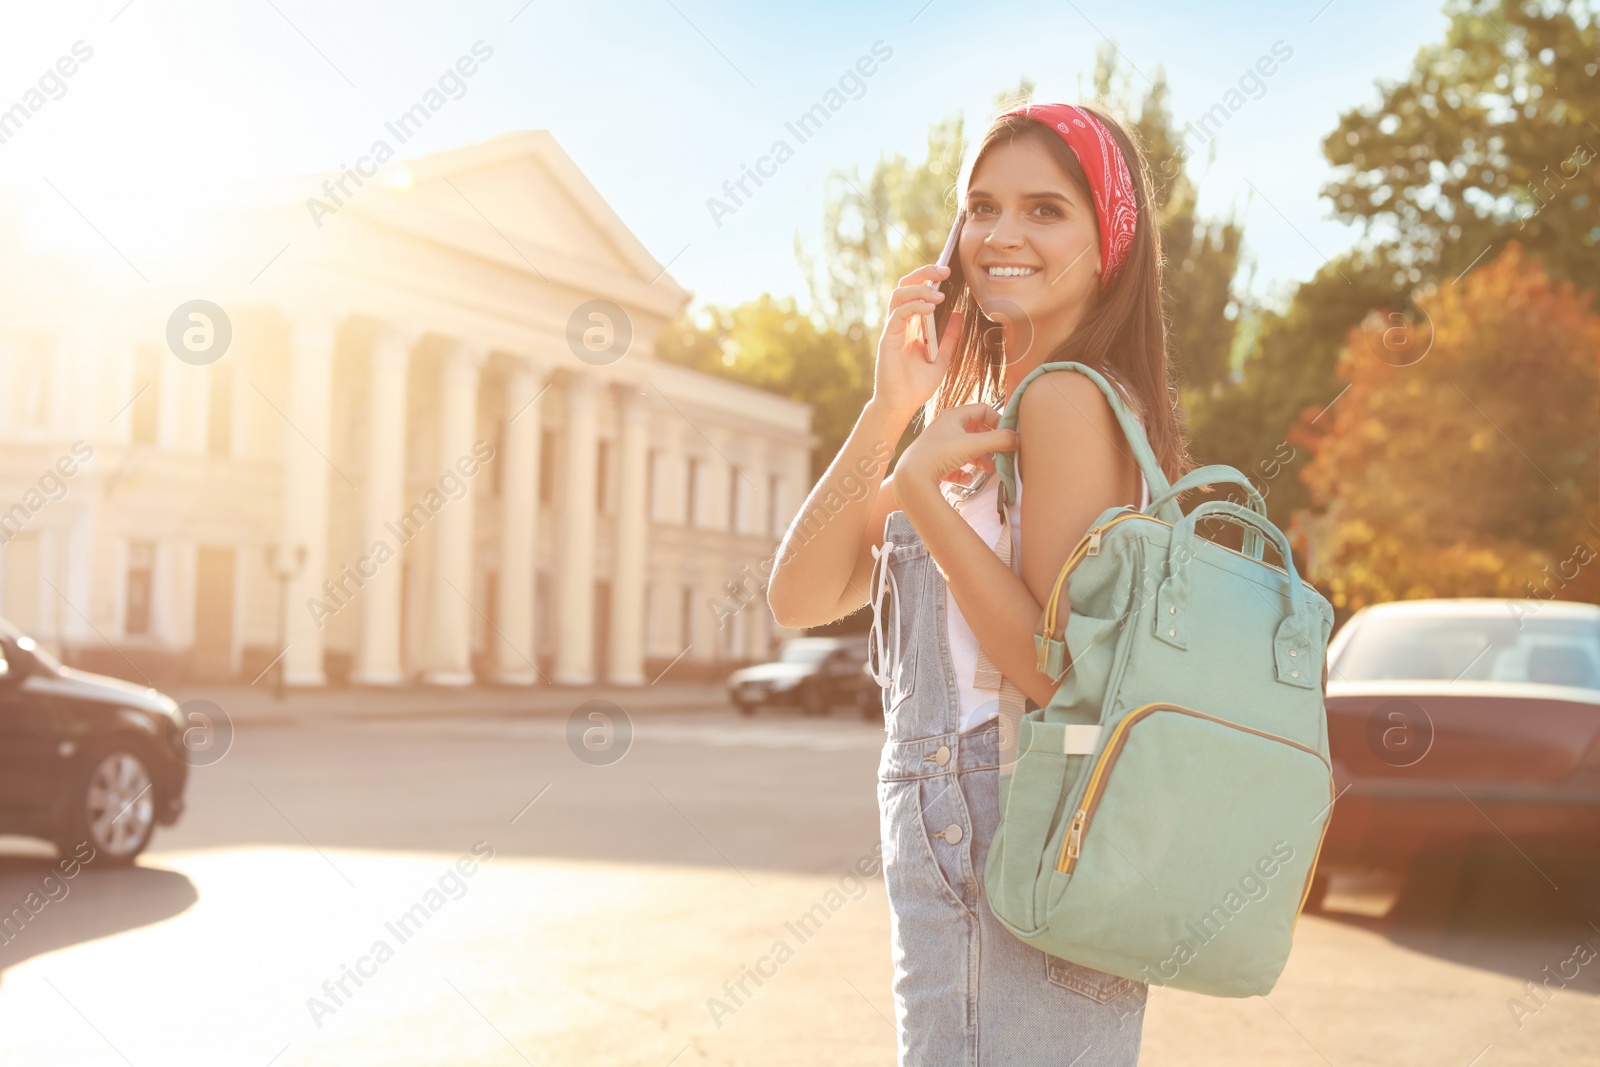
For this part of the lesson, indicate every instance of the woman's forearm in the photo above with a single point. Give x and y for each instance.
(994, 599)
(818, 554)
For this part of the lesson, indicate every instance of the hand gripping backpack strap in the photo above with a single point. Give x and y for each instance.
(1013, 703)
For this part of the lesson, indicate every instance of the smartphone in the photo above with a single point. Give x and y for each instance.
(928, 330)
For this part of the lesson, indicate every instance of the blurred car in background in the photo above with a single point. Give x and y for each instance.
(84, 757)
(814, 674)
(1453, 721)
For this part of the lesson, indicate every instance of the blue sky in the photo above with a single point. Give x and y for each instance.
(661, 101)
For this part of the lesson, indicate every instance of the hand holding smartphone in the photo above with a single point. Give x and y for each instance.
(928, 332)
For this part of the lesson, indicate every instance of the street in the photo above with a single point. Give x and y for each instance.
(474, 892)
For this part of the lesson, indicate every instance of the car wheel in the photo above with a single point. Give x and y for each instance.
(1435, 884)
(111, 806)
(813, 702)
(1318, 892)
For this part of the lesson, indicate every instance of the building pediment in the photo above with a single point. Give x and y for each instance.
(525, 187)
(519, 205)
(507, 230)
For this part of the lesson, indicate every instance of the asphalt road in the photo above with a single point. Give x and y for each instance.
(497, 892)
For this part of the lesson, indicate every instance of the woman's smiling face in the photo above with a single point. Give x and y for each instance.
(1030, 241)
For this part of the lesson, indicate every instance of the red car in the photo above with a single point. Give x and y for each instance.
(1451, 721)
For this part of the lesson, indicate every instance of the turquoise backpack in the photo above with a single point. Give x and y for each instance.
(1165, 810)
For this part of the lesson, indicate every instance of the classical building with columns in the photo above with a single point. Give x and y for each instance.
(436, 446)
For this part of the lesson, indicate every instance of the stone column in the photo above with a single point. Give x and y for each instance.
(9, 360)
(632, 533)
(378, 658)
(81, 379)
(119, 397)
(516, 645)
(77, 631)
(307, 405)
(450, 607)
(170, 397)
(575, 559)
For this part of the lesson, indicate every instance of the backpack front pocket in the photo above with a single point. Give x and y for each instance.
(1032, 799)
(1188, 856)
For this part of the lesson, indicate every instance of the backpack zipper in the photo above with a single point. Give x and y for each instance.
(1089, 545)
(1072, 846)
(1311, 872)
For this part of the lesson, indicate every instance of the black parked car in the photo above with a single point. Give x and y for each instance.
(84, 757)
(813, 673)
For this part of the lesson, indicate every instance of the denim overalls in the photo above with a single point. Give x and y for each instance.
(967, 992)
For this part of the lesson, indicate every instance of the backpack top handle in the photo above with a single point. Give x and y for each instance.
(1005, 463)
(1254, 541)
(1293, 641)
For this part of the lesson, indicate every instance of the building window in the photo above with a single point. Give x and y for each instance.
(496, 484)
(602, 629)
(646, 626)
(686, 613)
(691, 504)
(219, 426)
(650, 483)
(774, 505)
(543, 615)
(602, 466)
(491, 612)
(147, 395)
(734, 477)
(141, 575)
(19, 566)
(406, 596)
(547, 466)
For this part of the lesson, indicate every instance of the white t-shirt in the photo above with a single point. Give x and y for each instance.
(980, 705)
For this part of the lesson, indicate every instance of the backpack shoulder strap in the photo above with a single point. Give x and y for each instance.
(1005, 463)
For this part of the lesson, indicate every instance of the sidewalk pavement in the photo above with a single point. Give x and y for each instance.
(253, 704)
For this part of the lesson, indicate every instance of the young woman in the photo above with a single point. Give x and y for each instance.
(1058, 259)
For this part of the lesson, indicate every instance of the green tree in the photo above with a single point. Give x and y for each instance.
(1491, 137)
(1439, 171)
(1448, 468)
(768, 343)
(1286, 372)
(875, 230)
(1202, 255)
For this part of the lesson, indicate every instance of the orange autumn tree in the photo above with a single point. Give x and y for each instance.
(1461, 460)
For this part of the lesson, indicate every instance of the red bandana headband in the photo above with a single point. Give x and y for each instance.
(1107, 171)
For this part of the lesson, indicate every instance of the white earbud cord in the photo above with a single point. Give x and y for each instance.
(880, 644)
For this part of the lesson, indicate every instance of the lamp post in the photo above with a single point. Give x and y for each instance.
(285, 573)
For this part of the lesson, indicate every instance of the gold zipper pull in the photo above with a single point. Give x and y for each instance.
(1075, 834)
(1094, 542)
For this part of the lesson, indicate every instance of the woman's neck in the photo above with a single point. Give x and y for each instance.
(1045, 339)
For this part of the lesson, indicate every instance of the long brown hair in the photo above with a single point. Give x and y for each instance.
(1124, 334)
